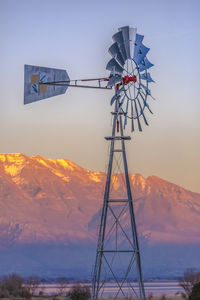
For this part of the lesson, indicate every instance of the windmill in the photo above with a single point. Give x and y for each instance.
(117, 264)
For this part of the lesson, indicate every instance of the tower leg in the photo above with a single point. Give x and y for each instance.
(117, 241)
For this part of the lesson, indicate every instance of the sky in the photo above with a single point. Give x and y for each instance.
(75, 35)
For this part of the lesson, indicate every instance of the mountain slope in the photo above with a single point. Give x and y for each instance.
(46, 200)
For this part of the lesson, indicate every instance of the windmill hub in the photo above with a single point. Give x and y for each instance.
(127, 79)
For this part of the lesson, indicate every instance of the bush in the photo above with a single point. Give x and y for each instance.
(41, 293)
(79, 292)
(195, 294)
(33, 283)
(188, 281)
(12, 286)
(62, 283)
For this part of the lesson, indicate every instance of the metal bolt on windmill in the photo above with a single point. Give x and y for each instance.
(117, 264)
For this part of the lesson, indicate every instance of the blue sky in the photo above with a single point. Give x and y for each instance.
(75, 35)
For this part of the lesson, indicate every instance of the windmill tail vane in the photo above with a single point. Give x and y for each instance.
(129, 77)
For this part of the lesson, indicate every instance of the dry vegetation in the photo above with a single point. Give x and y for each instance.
(13, 287)
(147, 298)
(110, 298)
(68, 298)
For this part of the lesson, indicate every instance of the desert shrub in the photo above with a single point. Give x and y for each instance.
(11, 286)
(79, 292)
(188, 281)
(32, 284)
(41, 293)
(195, 294)
(62, 283)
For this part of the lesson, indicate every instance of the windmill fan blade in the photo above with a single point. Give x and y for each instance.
(125, 34)
(118, 37)
(145, 103)
(126, 112)
(142, 112)
(148, 92)
(138, 120)
(35, 78)
(145, 64)
(129, 35)
(147, 77)
(140, 54)
(132, 119)
(113, 66)
(117, 94)
(114, 79)
(132, 38)
(116, 54)
(125, 121)
(138, 42)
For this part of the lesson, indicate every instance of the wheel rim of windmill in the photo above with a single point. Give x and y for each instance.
(129, 73)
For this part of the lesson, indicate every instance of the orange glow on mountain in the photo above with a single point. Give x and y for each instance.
(95, 176)
(56, 200)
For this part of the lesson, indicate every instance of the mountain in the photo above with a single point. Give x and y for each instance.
(50, 208)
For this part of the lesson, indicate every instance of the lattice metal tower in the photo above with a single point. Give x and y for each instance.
(115, 242)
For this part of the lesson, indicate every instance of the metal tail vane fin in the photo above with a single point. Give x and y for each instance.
(35, 78)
